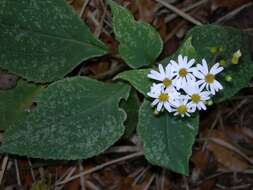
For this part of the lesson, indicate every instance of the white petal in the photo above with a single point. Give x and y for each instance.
(205, 67)
(176, 113)
(216, 69)
(191, 62)
(212, 89)
(155, 75)
(168, 71)
(202, 105)
(184, 82)
(198, 74)
(167, 107)
(178, 83)
(161, 69)
(153, 95)
(155, 102)
(192, 107)
(180, 59)
(159, 106)
(219, 86)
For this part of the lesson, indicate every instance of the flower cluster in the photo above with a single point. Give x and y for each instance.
(183, 87)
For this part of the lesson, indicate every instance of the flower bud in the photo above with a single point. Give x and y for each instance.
(209, 102)
(236, 57)
(221, 49)
(228, 78)
(222, 62)
(214, 50)
(156, 112)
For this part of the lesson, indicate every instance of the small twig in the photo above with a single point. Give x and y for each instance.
(179, 12)
(247, 171)
(3, 167)
(163, 179)
(244, 186)
(186, 9)
(140, 175)
(231, 147)
(186, 183)
(210, 132)
(91, 185)
(136, 172)
(149, 182)
(122, 149)
(85, 3)
(111, 72)
(17, 172)
(99, 167)
(68, 173)
(157, 182)
(233, 13)
(81, 169)
(96, 22)
(211, 177)
(175, 30)
(101, 22)
(31, 169)
(243, 102)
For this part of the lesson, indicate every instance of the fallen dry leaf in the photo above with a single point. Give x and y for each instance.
(226, 157)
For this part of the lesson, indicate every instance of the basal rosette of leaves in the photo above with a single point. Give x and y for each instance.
(78, 117)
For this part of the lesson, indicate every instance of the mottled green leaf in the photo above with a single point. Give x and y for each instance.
(186, 49)
(140, 43)
(131, 107)
(15, 103)
(75, 118)
(228, 40)
(167, 139)
(43, 41)
(138, 79)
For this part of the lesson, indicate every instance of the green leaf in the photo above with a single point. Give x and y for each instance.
(131, 107)
(76, 118)
(15, 103)
(138, 78)
(140, 43)
(43, 41)
(229, 40)
(185, 49)
(167, 139)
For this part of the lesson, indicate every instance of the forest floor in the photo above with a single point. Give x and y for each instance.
(223, 152)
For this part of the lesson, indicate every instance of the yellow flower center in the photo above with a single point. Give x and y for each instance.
(163, 97)
(195, 98)
(182, 109)
(183, 72)
(209, 78)
(167, 82)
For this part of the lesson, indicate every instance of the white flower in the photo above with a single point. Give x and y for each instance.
(197, 96)
(162, 96)
(164, 76)
(182, 70)
(207, 78)
(182, 107)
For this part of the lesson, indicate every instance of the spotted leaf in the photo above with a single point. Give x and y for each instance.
(140, 43)
(167, 139)
(75, 118)
(226, 41)
(42, 41)
(16, 102)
